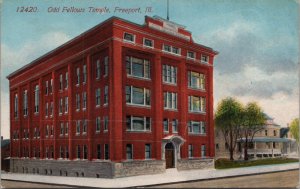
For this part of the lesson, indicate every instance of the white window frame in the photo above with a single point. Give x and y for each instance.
(150, 153)
(61, 85)
(139, 117)
(171, 73)
(60, 107)
(67, 129)
(174, 101)
(145, 96)
(202, 104)
(84, 127)
(106, 66)
(84, 101)
(144, 39)
(66, 104)
(173, 126)
(203, 61)
(78, 127)
(25, 103)
(189, 57)
(171, 48)
(202, 80)
(203, 150)
(190, 151)
(166, 131)
(98, 97)
(77, 76)
(36, 99)
(126, 40)
(98, 69)
(98, 124)
(77, 100)
(202, 127)
(105, 123)
(145, 61)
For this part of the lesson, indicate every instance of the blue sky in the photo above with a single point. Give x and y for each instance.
(257, 41)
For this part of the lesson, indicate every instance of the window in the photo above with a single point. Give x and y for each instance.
(129, 152)
(51, 108)
(137, 96)
(47, 131)
(84, 73)
(148, 42)
(67, 128)
(171, 49)
(60, 82)
(98, 97)
(191, 55)
(196, 80)
(25, 103)
(138, 67)
(105, 95)
(175, 126)
(78, 127)
(98, 69)
(51, 152)
(84, 100)
(169, 74)
(275, 133)
(274, 145)
(170, 100)
(217, 147)
(134, 123)
(98, 151)
(105, 123)
(66, 104)
(266, 132)
(61, 129)
(36, 99)
(203, 150)
(46, 88)
(67, 152)
(84, 126)
(77, 76)
(197, 104)
(147, 151)
(61, 152)
(60, 105)
(106, 151)
(67, 80)
(190, 151)
(105, 66)
(16, 106)
(47, 154)
(85, 152)
(51, 86)
(129, 37)
(97, 124)
(204, 59)
(166, 125)
(52, 130)
(46, 109)
(77, 102)
(78, 152)
(196, 127)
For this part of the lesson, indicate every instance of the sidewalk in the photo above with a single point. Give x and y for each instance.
(171, 176)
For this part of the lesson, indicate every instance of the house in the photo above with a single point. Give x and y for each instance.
(120, 99)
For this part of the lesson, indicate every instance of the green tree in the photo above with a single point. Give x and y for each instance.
(294, 128)
(253, 120)
(228, 121)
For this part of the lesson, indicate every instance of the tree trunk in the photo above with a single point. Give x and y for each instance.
(231, 154)
(246, 152)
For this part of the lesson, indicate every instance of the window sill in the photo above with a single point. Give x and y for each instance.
(197, 112)
(196, 88)
(204, 62)
(139, 105)
(171, 53)
(134, 131)
(127, 41)
(137, 77)
(170, 109)
(150, 47)
(97, 106)
(197, 134)
(97, 132)
(190, 58)
(168, 83)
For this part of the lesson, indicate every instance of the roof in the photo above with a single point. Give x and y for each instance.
(5, 142)
(80, 37)
(266, 139)
(267, 116)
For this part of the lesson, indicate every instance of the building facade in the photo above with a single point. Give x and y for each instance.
(266, 143)
(120, 99)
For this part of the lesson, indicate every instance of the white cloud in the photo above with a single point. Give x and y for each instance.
(13, 59)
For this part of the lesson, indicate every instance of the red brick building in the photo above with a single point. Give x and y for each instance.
(117, 96)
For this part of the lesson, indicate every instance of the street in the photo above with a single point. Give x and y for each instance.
(288, 179)
(270, 180)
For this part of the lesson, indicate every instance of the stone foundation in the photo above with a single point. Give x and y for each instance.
(188, 164)
(84, 168)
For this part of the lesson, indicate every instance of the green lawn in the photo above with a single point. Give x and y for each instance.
(226, 163)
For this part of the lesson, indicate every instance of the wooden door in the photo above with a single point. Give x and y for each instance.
(169, 155)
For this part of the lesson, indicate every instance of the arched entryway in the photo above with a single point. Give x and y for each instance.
(171, 150)
(169, 155)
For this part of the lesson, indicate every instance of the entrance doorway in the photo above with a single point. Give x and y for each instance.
(169, 155)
